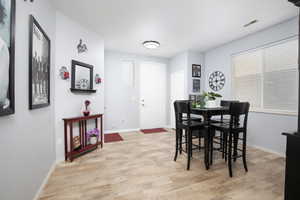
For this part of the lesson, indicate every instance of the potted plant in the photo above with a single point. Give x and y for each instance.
(93, 136)
(211, 98)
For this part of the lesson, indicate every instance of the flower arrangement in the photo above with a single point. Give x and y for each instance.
(87, 103)
(207, 99)
(93, 135)
(211, 96)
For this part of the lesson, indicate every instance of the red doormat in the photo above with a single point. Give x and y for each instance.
(112, 137)
(154, 130)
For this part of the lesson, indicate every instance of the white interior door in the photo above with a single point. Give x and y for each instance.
(153, 89)
(176, 92)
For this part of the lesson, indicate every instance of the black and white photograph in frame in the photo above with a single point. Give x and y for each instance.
(39, 66)
(7, 56)
(196, 71)
(196, 85)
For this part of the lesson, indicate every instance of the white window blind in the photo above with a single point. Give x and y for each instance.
(268, 77)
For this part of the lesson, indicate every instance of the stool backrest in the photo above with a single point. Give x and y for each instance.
(226, 103)
(182, 107)
(236, 110)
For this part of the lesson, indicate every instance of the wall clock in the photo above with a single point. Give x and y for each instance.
(216, 80)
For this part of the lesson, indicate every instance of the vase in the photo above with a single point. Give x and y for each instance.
(211, 104)
(86, 113)
(93, 140)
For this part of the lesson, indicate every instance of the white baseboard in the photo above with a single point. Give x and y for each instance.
(168, 126)
(129, 130)
(267, 150)
(39, 192)
(121, 130)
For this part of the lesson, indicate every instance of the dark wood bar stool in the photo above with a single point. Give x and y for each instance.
(237, 125)
(224, 103)
(193, 129)
(220, 139)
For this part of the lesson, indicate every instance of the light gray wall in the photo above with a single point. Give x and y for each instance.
(183, 62)
(264, 129)
(122, 102)
(180, 63)
(68, 104)
(27, 149)
(195, 58)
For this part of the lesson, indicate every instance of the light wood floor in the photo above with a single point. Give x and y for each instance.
(142, 168)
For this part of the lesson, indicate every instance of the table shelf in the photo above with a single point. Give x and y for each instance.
(85, 147)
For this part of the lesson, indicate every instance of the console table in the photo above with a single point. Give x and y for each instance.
(70, 151)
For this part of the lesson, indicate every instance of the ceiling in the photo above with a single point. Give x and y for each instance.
(179, 25)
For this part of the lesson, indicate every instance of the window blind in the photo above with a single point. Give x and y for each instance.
(268, 77)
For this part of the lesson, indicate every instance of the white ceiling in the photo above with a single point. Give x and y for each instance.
(179, 25)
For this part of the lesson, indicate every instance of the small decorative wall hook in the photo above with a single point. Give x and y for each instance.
(81, 48)
(64, 73)
(97, 79)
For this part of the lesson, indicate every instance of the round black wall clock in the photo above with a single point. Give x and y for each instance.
(216, 80)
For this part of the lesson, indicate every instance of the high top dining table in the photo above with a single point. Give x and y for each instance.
(207, 114)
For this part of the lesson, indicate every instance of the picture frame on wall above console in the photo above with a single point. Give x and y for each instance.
(7, 56)
(196, 71)
(82, 77)
(39, 66)
(196, 85)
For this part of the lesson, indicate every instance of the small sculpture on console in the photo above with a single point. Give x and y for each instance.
(86, 111)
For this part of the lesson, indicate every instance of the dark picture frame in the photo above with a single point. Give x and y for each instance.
(39, 66)
(196, 85)
(7, 31)
(196, 71)
(87, 84)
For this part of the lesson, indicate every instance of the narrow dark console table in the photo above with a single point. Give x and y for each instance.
(70, 151)
(292, 174)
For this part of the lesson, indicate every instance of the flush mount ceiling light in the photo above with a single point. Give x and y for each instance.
(251, 23)
(151, 44)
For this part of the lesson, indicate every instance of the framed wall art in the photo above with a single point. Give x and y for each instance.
(7, 56)
(39, 66)
(82, 77)
(196, 85)
(196, 71)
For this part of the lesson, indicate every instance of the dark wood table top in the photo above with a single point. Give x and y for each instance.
(207, 113)
(221, 108)
(79, 118)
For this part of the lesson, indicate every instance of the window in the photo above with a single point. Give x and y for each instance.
(268, 77)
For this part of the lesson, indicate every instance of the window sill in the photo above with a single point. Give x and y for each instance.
(274, 112)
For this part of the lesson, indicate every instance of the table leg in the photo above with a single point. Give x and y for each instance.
(230, 155)
(71, 142)
(66, 141)
(189, 147)
(96, 126)
(101, 127)
(206, 149)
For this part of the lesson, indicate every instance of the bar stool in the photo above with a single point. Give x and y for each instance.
(193, 129)
(238, 111)
(221, 140)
